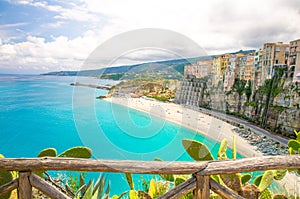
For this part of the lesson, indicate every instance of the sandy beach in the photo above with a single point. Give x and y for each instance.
(206, 125)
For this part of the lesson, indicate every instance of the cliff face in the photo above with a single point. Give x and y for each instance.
(275, 106)
(284, 112)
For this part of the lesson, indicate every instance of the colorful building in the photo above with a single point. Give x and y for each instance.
(231, 71)
(249, 66)
(276, 54)
(294, 60)
(241, 63)
(200, 69)
(257, 68)
(220, 64)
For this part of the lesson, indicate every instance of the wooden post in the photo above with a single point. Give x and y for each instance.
(25, 189)
(223, 191)
(46, 188)
(180, 190)
(202, 187)
(9, 186)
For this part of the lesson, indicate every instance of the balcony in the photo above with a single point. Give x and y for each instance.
(200, 182)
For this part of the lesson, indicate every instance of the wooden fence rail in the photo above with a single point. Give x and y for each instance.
(201, 182)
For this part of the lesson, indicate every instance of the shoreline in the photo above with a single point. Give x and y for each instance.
(196, 121)
(209, 126)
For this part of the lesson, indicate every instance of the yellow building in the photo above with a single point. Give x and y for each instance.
(220, 64)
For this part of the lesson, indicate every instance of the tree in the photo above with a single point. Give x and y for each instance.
(239, 87)
(248, 90)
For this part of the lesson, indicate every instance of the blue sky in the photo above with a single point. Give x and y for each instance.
(49, 35)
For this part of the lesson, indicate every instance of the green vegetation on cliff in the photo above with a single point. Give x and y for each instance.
(159, 89)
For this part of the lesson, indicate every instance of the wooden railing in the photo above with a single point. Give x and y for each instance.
(200, 183)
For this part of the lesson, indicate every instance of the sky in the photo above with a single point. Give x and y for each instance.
(38, 36)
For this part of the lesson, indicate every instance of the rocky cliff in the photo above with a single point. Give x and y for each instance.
(274, 106)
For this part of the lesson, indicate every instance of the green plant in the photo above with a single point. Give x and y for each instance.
(50, 152)
(77, 152)
(5, 177)
(239, 87)
(248, 90)
(136, 194)
(237, 182)
(74, 152)
(294, 147)
(199, 152)
(74, 183)
(94, 190)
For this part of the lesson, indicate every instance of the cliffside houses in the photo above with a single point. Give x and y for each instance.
(212, 84)
(294, 59)
(257, 66)
(200, 69)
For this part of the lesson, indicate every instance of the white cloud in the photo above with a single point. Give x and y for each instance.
(216, 25)
(12, 25)
(73, 12)
(57, 24)
(61, 53)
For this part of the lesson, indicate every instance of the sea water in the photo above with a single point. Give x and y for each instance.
(38, 112)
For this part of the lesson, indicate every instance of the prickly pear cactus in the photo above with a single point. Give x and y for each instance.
(222, 150)
(266, 180)
(179, 180)
(232, 181)
(266, 194)
(234, 148)
(77, 152)
(133, 194)
(197, 150)
(279, 174)
(50, 152)
(294, 148)
(5, 177)
(294, 144)
(246, 178)
(257, 180)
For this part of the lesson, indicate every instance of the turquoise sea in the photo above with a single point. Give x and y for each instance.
(37, 112)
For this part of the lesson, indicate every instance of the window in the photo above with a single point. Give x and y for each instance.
(276, 61)
(277, 49)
